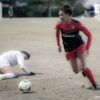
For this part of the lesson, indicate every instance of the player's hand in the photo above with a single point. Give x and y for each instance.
(32, 73)
(59, 49)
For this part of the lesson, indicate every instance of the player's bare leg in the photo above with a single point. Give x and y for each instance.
(87, 71)
(6, 69)
(75, 65)
(7, 73)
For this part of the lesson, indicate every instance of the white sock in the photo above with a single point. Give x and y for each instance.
(7, 76)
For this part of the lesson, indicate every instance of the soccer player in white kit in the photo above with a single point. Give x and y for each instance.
(10, 59)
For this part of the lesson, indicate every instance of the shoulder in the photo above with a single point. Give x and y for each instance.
(75, 21)
(58, 24)
(16, 53)
(11, 52)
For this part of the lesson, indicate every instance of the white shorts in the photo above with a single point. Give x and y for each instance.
(3, 63)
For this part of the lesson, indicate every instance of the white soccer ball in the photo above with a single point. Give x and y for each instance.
(25, 86)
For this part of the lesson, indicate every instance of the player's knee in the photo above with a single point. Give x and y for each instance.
(75, 71)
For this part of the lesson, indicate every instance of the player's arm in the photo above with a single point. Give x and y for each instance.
(58, 38)
(23, 66)
(88, 34)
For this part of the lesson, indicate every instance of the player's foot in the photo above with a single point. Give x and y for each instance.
(32, 73)
(97, 87)
(94, 87)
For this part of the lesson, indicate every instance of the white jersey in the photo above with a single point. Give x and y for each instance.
(12, 58)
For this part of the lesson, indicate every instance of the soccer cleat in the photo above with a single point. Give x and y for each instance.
(94, 87)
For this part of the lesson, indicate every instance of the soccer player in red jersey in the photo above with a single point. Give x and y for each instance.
(75, 48)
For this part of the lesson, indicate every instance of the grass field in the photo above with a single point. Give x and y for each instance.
(55, 79)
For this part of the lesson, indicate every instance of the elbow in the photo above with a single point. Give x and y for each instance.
(90, 37)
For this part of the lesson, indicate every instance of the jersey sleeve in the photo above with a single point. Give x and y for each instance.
(58, 34)
(22, 64)
(87, 33)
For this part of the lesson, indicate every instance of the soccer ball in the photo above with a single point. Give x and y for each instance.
(25, 86)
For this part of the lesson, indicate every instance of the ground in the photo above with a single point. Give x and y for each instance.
(55, 79)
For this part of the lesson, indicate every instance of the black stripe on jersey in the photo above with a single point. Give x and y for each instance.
(71, 32)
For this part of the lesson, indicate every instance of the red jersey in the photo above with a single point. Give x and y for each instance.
(70, 35)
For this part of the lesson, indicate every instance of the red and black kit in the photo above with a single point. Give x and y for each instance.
(70, 35)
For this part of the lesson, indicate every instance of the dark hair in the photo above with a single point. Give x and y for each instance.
(26, 53)
(67, 9)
